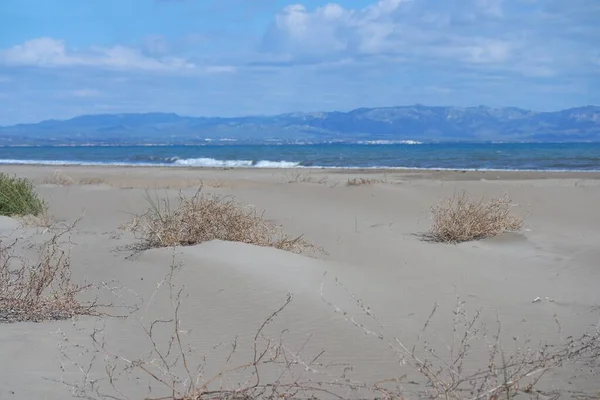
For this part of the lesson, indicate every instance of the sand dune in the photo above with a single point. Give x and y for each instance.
(371, 237)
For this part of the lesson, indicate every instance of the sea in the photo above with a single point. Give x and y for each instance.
(376, 154)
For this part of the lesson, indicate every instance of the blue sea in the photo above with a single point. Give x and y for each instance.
(412, 155)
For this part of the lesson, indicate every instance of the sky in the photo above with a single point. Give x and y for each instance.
(63, 58)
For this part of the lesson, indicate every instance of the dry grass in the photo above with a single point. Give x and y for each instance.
(507, 374)
(59, 178)
(362, 181)
(172, 369)
(174, 372)
(205, 217)
(460, 219)
(301, 177)
(91, 181)
(40, 291)
(45, 219)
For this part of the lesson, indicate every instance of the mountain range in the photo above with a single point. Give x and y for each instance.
(415, 123)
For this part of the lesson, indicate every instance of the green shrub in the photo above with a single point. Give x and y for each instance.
(18, 197)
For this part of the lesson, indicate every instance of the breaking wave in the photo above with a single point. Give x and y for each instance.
(211, 162)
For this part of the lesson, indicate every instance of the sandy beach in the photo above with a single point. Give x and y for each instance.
(542, 284)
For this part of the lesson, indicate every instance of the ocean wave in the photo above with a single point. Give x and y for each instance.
(135, 159)
(380, 142)
(211, 162)
(279, 164)
(276, 164)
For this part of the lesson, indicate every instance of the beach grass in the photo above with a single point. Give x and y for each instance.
(18, 197)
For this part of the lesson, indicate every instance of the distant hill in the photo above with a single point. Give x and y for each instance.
(418, 122)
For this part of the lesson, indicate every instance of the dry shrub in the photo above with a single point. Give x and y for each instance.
(40, 291)
(44, 220)
(59, 178)
(460, 219)
(174, 371)
(91, 181)
(361, 181)
(448, 370)
(300, 177)
(205, 217)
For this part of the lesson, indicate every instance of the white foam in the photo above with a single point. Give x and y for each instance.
(211, 162)
(276, 164)
(384, 142)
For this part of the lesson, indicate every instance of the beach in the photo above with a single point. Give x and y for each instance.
(370, 276)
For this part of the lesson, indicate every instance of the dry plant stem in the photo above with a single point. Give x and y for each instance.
(43, 291)
(300, 177)
(504, 375)
(91, 181)
(163, 362)
(59, 178)
(447, 377)
(206, 217)
(460, 219)
(362, 181)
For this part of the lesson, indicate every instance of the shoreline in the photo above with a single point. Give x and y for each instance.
(438, 173)
(235, 142)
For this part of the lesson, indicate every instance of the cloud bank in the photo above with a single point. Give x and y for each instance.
(49, 52)
(237, 57)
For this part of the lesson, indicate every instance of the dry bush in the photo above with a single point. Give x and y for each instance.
(40, 291)
(205, 217)
(460, 219)
(300, 177)
(91, 181)
(44, 220)
(361, 181)
(173, 370)
(59, 178)
(506, 375)
(273, 371)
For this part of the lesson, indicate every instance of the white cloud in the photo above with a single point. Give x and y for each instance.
(318, 31)
(386, 27)
(335, 28)
(491, 35)
(49, 52)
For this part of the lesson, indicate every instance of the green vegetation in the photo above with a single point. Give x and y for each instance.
(18, 197)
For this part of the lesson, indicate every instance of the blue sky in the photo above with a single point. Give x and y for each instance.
(63, 58)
